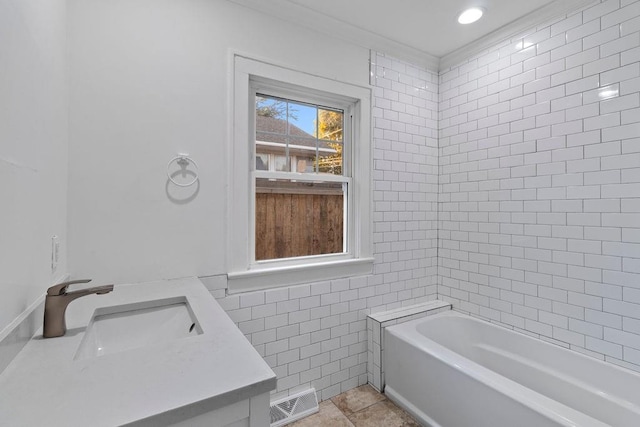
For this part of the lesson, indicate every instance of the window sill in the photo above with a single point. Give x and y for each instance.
(253, 280)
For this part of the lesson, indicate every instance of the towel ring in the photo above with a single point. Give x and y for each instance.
(183, 161)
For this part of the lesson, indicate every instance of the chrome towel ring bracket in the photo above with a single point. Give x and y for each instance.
(183, 160)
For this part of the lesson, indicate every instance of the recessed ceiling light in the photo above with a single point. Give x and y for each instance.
(470, 15)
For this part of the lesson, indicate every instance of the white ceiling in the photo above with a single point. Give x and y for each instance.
(417, 29)
(426, 25)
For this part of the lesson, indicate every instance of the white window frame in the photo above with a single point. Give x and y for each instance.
(246, 274)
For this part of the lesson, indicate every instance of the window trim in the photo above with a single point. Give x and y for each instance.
(244, 274)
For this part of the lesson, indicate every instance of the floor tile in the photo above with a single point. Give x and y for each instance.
(329, 416)
(357, 399)
(382, 414)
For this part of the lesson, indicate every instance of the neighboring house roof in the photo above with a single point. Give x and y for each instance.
(279, 126)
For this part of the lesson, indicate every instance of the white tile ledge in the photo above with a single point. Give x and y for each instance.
(376, 324)
(383, 316)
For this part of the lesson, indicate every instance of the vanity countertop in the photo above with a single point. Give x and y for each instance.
(47, 385)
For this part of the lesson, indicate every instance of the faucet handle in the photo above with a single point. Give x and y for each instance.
(61, 288)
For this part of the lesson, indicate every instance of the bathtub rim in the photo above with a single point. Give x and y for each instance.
(558, 412)
(501, 326)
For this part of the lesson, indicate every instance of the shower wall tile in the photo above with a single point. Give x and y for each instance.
(539, 209)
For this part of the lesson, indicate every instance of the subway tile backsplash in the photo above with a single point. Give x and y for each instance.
(539, 193)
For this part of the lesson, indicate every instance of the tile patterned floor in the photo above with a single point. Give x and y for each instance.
(359, 407)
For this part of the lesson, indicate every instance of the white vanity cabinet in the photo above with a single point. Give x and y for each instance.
(253, 412)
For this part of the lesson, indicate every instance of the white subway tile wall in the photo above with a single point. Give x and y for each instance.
(539, 209)
(315, 335)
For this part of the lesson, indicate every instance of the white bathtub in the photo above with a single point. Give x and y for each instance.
(452, 370)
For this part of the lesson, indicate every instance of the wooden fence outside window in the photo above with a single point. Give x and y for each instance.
(291, 224)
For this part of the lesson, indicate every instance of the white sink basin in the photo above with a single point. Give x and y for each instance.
(125, 327)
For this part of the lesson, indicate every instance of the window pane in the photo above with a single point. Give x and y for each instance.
(330, 125)
(287, 130)
(267, 144)
(271, 114)
(330, 157)
(298, 218)
(302, 120)
(271, 130)
(303, 148)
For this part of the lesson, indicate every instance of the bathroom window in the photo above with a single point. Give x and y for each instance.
(300, 210)
(302, 189)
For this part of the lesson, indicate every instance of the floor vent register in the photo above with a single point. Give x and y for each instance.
(294, 407)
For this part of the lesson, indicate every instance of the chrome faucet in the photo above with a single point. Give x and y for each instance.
(56, 302)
